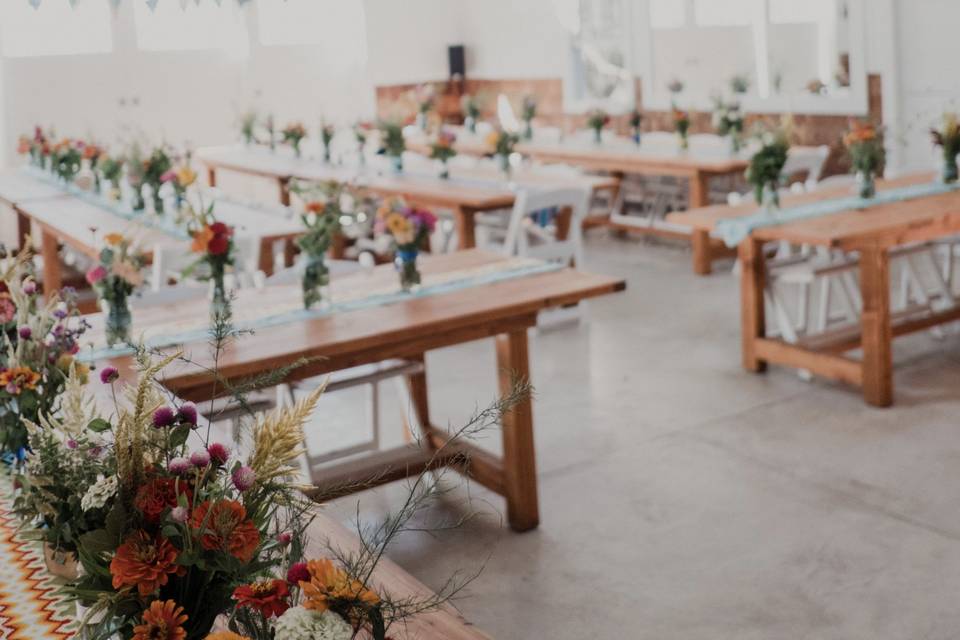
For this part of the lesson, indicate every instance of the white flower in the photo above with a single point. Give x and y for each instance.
(99, 492)
(298, 623)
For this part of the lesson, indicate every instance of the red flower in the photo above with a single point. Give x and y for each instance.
(298, 573)
(145, 562)
(224, 526)
(218, 245)
(158, 495)
(269, 597)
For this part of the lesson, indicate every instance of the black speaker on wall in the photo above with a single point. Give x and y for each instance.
(457, 62)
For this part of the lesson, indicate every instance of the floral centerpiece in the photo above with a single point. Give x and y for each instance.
(597, 119)
(392, 143)
(154, 169)
(327, 131)
(681, 124)
(766, 166)
(739, 84)
(864, 143)
(409, 229)
(501, 145)
(471, 109)
(441, 148)
(41, 339)
(66, 159)
(248, 127)
(111, 170)
(947, 137)
(270, 127)
(636, 119)
(115, 277)
(361, 131)
(425, 96)
(293, 134)
(180, 178)
(528, 111)
(92, 153)
(136, 168)
(728, 121)
(38, 147)
(213, 241)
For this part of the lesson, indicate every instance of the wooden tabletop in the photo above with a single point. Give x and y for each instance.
(393, 330)
(19, 186)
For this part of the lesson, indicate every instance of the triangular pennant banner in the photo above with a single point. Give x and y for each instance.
(34, 3)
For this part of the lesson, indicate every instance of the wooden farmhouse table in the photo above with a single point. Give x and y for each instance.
(18, 187)
(872, 233)
(80, 224)
(405, 329)
(466, 193)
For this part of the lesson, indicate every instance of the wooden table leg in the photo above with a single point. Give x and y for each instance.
(752, 320)
(23, 230)
(519, 456)
(417, 388)
(702, 256)
(338, 246)
(875, 319)
(266, 256)
(284, 185)
(699, 190)
(52, 275)
(212, 176)
(466, 237)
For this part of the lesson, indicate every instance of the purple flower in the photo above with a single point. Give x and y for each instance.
(200, 458)
(178, 466)
(285, 538)
(25, 332)
(179, 514)
(29, 287)
(60, 311)
(71, 444)
(187, 413)
(109, 374)
(95, 452)
(163, 417)
(219, 453)
(243, 478)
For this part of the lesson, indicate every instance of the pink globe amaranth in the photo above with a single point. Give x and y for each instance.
(200, 458)
(163, 417)
(187, 413)
(219, 453)
(244, 478)
(29, 287)
(25, 332)
(285, 538)
(96, 274)
(109, 374)
(178, 466)
(179, 514)
(298, 573)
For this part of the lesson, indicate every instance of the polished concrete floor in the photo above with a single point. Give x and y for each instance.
(684, 498)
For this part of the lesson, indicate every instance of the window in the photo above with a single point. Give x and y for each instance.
(171, 26)
(54, 28)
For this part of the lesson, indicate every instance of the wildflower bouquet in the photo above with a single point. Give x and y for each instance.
(92, 154)
(37, 146)
(115, 277)
(136, 172)
(111, 169)
(681, 124)
(864, 142)
(528, 112)
(597, 119)
(321, 216)
(442, 149)
(40, 341)
(191, 522)
(248, 127)
(66, 159)
(766, 165)
(268, 124)
(636, 119)
(293, 134)
(502, 144)
(392, 142)
(68, 483)
(728, 121)
(180, 179)
(327, 131)
(213, 241)
(409, 228)
(948, 139)
(739, 84)
(154, 169)
(471, 109)
(425, 96)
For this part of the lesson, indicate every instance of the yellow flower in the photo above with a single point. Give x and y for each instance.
(330, 583)
(398, 224)
(493, 138)
(186, 176)
(113, 239)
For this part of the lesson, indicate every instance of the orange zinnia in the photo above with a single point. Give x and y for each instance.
(224, 527)
(162, 621)
(225, 635)
(17, 379)
(329, 582)
(201, 239)
(145, 562)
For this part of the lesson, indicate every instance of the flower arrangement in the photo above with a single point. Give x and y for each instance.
(425, 96)
(636, 119)
(675, 87)
(154, 169)
(180, 178)
(864, 143)
(728, 121)
(740, 84)
(947, 137)
(111, 170)
(597, 119)
(528, 111)
(270, 127)
(766, 166)
(213, 241)
(681, 124)
(248, 126)
(92, 154)
(327, 131)
(37, 352)
(293, 134)
(37, 146)
(502, 144)
(136, 168)
(409, 228)
(66, 159)
(392, 142)
(115, 277)
(442, 149)
(470, 105)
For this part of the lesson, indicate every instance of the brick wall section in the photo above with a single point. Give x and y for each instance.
(810, 129)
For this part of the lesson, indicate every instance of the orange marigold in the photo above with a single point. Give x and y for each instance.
(225, 635)
(17, 379)
(269, 597)
(328, 583)
(145, 562)
(162, 621)
(224, 526)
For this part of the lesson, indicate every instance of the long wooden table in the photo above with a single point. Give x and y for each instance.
(872, 233)
(80, 224)
(466, 193)
(408, 329)
(18, 187)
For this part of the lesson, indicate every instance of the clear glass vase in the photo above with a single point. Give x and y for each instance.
(118, 322)
(219, 303)
(684, 140)
(503, 160)
(528, 130)
(866, 184)
(597, 136)
(770, 199)
(316, 278)
(443, 171)
(406, 264)
(397, 162)
(949, 167)
(636, 136)
(470, 123)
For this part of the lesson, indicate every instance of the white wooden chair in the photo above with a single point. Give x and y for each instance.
(808, 160)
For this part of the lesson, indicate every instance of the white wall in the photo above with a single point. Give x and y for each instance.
(513, 39)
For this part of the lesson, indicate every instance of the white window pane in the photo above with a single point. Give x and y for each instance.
(791, 11)
(54, 28)
(667, 14)
(172, 27)
(724, 13)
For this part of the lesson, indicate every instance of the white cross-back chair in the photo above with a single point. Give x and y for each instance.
(808, 160)
(170, 260)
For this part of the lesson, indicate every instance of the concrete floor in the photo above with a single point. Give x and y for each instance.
(684, 498)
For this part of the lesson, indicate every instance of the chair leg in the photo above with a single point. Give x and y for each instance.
(823, 311)
(803, 303)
